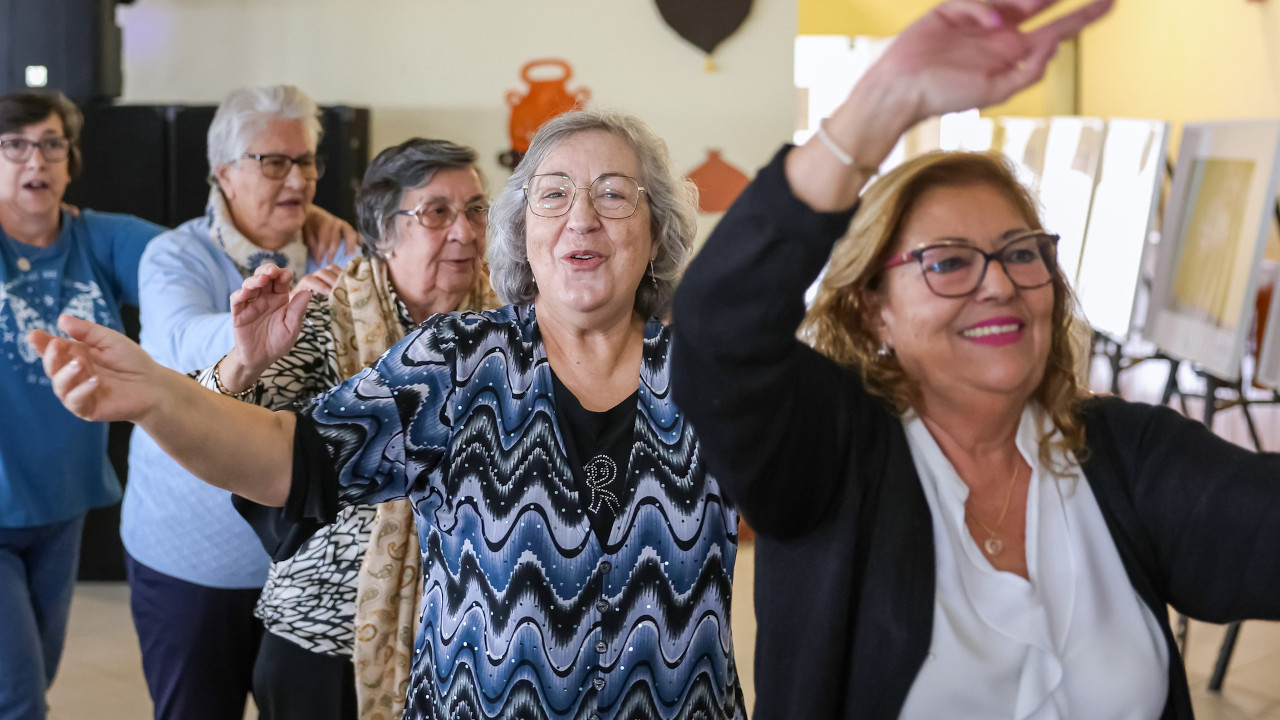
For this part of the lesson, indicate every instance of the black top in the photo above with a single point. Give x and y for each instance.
(599, 448)
(845, 568)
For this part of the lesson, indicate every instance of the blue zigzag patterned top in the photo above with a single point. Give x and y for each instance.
(526, 613)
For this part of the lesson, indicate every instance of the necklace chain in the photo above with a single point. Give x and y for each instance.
(992, 545)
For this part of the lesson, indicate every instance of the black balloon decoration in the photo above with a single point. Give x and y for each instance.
(705, 23)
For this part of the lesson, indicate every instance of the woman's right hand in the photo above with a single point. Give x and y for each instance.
(98, 373)
(959, 55)
(266, 316)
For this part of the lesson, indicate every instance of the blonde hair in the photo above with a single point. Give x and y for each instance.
(840, 323)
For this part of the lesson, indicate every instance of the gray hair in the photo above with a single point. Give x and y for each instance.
(673, 202)
(247, 111)
(407, 166)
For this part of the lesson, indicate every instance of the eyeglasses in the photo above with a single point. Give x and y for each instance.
(436, 215)
(612, 196)
(276, 166)
(953, 269)
(19, 149)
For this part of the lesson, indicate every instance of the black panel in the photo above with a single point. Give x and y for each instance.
(345, 145)
(189, 161)
(77, 40)
(124, 162)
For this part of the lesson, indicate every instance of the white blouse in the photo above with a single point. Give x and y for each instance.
(1075, 641)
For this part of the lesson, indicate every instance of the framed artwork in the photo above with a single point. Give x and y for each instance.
(1214, 234)
(1072, 150)
(1131, 172)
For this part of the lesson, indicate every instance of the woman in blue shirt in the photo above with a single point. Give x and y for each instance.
(53, 466)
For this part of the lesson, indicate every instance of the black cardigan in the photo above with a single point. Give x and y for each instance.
(845, 569)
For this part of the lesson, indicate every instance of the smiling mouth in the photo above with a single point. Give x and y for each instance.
(35, 185)
(988, 330)
(583, 256)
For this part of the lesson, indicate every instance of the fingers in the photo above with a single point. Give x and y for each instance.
(1071, 24)
(297, 308)
(970, 12)
(86, 332)
(1015, 12)
(39, 340)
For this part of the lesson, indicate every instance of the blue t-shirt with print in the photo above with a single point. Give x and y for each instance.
(52, 464)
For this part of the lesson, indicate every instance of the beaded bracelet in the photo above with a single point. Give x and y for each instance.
(217, 382)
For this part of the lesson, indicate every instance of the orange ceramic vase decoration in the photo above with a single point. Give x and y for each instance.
(548, 96)
(719, 183)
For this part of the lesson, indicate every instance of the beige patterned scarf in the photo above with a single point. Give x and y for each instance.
(364, 323)
(243, 252)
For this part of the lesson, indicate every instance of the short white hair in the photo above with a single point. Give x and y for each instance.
(247, 111)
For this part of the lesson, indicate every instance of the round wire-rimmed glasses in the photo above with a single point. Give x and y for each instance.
(435, 215)
(612, 195)
(956, 269)
(19, 149)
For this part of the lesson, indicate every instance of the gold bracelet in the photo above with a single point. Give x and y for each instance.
(217, 382)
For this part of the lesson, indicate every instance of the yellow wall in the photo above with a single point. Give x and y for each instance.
(1056, 95)
(1183, 60)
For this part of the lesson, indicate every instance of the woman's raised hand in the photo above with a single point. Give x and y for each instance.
(967, 53)
(99, 374)
(266, 317)
(962, 54)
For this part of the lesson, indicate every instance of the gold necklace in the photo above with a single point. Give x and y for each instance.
(993, 545)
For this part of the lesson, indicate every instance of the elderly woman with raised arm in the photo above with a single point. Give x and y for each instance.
(948, 526)
(53, 466)
(195, 567)
(577, 558)
(423, 213)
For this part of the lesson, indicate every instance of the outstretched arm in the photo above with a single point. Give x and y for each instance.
(100, 375)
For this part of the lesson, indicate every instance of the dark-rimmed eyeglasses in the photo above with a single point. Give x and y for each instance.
(956, 269)
(612, 196)
(19, 149)
(276, 166)
(435, 215)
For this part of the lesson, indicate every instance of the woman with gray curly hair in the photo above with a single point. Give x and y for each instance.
(577, 558)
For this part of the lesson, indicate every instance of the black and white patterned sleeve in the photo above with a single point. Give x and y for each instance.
(308, 369)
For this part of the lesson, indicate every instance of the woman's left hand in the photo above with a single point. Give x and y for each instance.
(326, 234)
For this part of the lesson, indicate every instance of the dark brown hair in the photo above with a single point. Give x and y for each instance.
(19, 110)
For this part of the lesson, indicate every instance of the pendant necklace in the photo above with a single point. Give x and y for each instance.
(993, 545)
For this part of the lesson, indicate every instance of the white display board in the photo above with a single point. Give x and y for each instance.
(1121, 219)
(1072, 151)
(1023, 141)
(1214, 232)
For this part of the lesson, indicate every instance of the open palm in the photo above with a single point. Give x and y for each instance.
(265, 317)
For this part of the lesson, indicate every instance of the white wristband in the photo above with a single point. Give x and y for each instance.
(839, 152)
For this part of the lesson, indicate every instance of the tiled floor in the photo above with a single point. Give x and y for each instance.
(101, 676)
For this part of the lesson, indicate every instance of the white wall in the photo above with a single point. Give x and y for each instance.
(442, 69)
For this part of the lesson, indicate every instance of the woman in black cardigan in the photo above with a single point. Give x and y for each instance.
(946, 529)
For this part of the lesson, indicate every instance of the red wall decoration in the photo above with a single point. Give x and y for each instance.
(719, 183)
(547, 96)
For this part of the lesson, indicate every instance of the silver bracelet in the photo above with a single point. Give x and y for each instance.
(217, 382)
(840, 154)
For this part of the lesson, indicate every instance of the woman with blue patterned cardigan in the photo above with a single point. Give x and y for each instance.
(577, 558)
